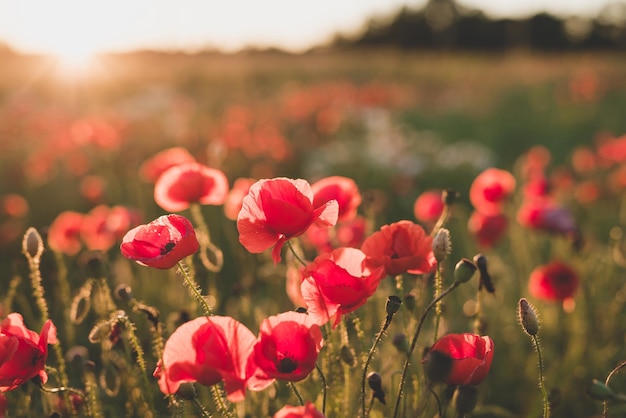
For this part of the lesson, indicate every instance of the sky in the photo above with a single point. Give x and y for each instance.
(66, 27)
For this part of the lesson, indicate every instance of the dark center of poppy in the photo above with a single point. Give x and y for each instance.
(287, 365)
(168, 247)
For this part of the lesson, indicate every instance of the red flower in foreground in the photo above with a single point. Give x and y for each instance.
(180, 186)
(401, 247)
(555, 281)
(207, 350)
(339, 282)
(278, 209)
(64, 233)
(152, 168)
(342, 189)
(487, 229)
(471, 357)
(308, 410)
(23, 353)
(286, 349)
(490, 189)
(428, 206)
(162, 243)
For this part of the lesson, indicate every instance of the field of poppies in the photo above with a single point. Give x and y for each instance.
(368, 234)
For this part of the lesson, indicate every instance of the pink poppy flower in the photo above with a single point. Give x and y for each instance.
(487, 229)
(94, 230)
(342, 189)
(234, 200)
(207, 350)
(286, 349)
(162, 243)
(339, 282)
(308, 410)
(64, 233)
(554, 281)
(14, 205)
(428, 206)
(279, 209)
(401, 247)
(152, 168)
(180, 186)
(23, 353)
(490, 189)
(471, 357)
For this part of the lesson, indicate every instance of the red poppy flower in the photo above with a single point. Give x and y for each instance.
(346, 234)
(471, 357)
(187, 183)
(286, 349)
(94, 230)
(308, 410)
(342, 189)
(207, 350)
(554, 281)
(278, 209)
(339, 282)
(487, 229)
(543, 214)
(401, 247)
(162, 243)
(428, 206)
(234, 200)
(490, 189)
(23, 353)
(152, 168)
(64, 233)
(121, 219)
(14, 205)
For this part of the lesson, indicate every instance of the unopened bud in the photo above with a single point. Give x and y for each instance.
(442, 245)
(347, 355)
(599, 391)
(393, 304)
(485, 279)
(528, 317)
(401, 343)
(464, 270)
(32, 244)
(465, 399)
(375, 381)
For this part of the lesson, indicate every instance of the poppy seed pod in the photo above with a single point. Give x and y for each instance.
(32, 245)
(393, 304)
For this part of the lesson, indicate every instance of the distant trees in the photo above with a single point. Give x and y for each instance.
(444, 24)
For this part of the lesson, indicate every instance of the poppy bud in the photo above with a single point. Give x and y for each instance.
(375, 381)
(449, 196)
(599, 391)
(401, 343)
(442, 245)
(465, 399)
(528, 317)
(464, 270)
(393, 304)
(347, 355)
(485, 279)
(32, 244)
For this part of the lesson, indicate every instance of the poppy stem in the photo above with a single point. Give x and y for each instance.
(379, 336)
(324, 388)
(204, 238)
(295, 391)
(203, 412)
(218, 397)
(194, 288)
(542, 385)
(414, 342)
(606, 382)
(438, 310)
(295, 254)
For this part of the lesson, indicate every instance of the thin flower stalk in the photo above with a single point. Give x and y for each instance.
(605, 412)
(194, 288)
(542, 384)
(206, 245)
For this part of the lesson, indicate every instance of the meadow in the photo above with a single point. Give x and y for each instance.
(84, 143)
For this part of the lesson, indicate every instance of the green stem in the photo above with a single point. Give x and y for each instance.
(607, 381)
(546, 404)
(194, 288)
(414, 342)
(379, 335)
(204, 237)
(203, 412)
(324, 388)
(438, 310)
(295, 391)
(218, 398)
(295, 254)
